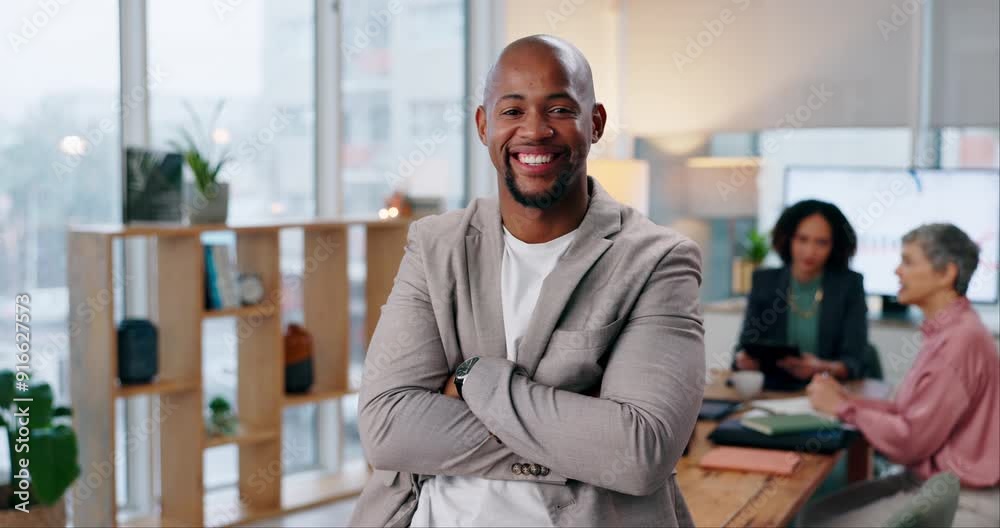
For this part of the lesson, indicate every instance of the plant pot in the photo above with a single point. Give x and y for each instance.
(209, 208)
(37, 516)
(743, 275)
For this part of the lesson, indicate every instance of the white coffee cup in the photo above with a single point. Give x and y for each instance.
(748, 383)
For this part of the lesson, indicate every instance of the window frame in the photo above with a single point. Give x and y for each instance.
(142, 475)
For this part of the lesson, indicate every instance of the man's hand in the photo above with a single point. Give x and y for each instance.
(825, 394)
(450, 389)
(804, 367)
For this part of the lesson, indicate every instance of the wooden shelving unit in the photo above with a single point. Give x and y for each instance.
(178, 312)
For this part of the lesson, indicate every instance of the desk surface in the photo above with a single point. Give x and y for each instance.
(730, 498)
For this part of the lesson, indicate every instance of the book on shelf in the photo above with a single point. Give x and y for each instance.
(221, 286)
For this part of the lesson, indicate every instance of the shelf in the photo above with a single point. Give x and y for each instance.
(242, 311)
(243, 438)
(170, 229)
(156, 387)
(314, 396)
(298, 492)
(146, 521)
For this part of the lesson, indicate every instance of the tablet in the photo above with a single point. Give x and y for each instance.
(770, 352)
(716, 409)
(775, 377)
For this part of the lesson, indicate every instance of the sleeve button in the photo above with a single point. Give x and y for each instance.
(515, 469)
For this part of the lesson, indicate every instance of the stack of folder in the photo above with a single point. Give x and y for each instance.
(797, 431)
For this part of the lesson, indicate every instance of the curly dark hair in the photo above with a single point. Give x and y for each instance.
(845, 240)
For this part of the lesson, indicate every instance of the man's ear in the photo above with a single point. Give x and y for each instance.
(599, 118)
(481, 124)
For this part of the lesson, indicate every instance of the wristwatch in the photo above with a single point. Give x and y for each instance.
(462, 372)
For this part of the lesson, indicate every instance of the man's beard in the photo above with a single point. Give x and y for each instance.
(544, 199)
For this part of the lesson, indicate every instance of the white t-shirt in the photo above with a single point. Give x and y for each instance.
(473, 501)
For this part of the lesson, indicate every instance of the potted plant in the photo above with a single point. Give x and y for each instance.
(756, 247)
(49, 455)
(206, 201)
(221, 420)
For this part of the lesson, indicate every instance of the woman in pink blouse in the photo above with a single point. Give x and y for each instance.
(946, 412)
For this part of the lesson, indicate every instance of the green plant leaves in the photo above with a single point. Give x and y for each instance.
(52, 449)
(53, 462)
(7, 380)
(40, 405)
(757, 246)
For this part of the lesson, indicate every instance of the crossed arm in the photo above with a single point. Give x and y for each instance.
(627, 439)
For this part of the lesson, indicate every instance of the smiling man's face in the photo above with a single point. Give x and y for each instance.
(538, 121)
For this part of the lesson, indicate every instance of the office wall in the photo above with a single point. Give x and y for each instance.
(966, 61)
(591, 25)
(667, 66)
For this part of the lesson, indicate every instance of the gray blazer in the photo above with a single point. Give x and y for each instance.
(604, 395)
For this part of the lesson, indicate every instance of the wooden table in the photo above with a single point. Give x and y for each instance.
(730, 498)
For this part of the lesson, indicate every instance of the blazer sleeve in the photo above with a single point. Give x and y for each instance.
(854, 344)
(630, 437)
(405, 423)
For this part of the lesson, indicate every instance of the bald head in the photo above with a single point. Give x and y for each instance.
(530, 51)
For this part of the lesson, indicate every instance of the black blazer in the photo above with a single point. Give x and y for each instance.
(843, 324)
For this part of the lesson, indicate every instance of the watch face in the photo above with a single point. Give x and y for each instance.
(465, 367)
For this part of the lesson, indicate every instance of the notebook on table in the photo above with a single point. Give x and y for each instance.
(731, 432)
(751, 460)
(781, 424)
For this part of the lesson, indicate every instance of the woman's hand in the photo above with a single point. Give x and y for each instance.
(804, 367)
(826, 395)
(745, 362)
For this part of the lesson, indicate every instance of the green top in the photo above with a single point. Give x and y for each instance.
(803, 322)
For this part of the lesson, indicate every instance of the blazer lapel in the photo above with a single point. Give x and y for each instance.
(603, 218)
(781, 323)
(484, 254)
(827, 316)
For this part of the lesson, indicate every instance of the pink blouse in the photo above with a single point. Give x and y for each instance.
(946, 413)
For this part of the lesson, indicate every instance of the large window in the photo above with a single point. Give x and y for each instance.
(258, 60)
(403, 87)
(403, 69)
(59, 163)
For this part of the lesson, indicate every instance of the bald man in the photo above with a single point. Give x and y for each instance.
(540, 360)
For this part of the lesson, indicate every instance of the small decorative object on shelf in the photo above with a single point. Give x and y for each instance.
(221, 420)
(298, 360)
(35, 498)
(251, 289)
(137, 352)
(207, 200)
(396, 205)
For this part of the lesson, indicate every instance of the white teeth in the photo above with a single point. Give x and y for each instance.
(535, 159)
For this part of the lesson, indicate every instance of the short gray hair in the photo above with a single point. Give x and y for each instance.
(946, 244)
